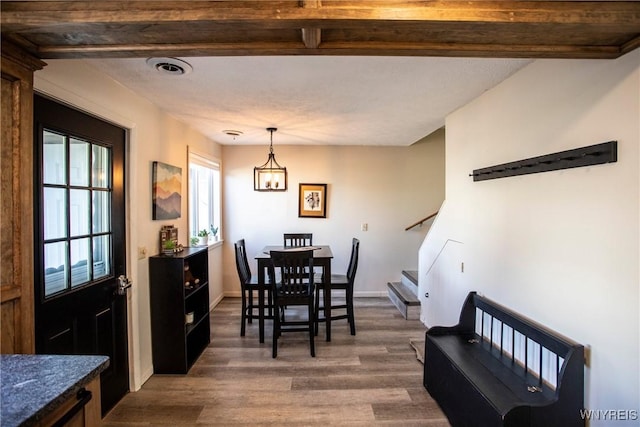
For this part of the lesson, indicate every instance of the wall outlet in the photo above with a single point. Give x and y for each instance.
(142, 252)
(364, 226)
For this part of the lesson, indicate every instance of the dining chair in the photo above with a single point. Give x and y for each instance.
(340, 282)
(298, 239)
(294, 287)
(248, 285)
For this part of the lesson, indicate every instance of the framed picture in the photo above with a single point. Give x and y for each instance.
(168, 232)
(312, 201)
(167, 187)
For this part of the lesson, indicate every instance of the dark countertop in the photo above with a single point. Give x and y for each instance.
(35, 385)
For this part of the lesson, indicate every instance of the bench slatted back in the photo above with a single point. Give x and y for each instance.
(553, 341)
(559, 349)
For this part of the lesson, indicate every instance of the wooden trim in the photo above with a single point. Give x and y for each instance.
(15, 59)
(630, 45)
(17, 147)
(24, 15)
(9, 293)
(333, 48)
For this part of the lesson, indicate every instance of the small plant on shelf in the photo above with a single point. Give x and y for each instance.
(169, 247)
(214, 231)
(204, 236)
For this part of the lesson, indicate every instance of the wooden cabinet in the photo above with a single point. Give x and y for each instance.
(180, 330)
(16, 182)
(51, 390)
(87, 416)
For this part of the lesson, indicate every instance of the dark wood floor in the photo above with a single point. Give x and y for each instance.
(373, 378)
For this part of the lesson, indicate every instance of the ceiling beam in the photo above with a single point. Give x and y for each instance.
(311, 37)
(331, 48)
(534, 29)
(36, 14)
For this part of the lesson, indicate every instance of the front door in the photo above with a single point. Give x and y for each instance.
(80, 240)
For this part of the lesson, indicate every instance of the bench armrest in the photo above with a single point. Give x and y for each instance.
(466, 323)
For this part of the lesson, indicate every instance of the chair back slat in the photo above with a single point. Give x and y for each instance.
(242, 263)
(353, 261)
(296, 273)
(298, 239)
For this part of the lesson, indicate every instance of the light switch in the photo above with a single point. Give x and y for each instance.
(364, 227)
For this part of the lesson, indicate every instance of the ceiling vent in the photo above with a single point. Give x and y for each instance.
(171, 66)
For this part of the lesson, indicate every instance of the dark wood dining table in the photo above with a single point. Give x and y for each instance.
(322, 257)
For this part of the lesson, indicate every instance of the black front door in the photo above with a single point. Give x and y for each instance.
(80, 240)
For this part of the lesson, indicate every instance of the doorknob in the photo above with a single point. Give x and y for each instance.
(123, 284)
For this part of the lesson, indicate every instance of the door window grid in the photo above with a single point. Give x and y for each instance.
(76, 206)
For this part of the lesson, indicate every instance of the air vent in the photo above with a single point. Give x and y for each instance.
(170, 66)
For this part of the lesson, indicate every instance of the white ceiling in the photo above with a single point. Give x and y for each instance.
(314, 100)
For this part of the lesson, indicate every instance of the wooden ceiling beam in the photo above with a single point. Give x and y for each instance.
(331, 48)
(311, 37)
(630, 45)
(536, 29)
(27, 14)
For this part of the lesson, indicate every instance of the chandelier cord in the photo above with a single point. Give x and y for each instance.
(271, 143)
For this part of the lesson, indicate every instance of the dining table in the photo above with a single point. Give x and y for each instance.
(322, 257)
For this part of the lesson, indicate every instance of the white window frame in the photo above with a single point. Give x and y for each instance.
(195, 158)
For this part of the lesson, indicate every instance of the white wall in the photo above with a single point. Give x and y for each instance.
(389, 188)
(154, 136)
(560, 247)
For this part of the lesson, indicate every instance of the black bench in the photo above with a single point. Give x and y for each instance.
(497, 368)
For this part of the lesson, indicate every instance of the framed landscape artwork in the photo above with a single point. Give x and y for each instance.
(167, 187)
(312, 201)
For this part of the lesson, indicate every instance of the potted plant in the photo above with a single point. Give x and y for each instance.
(214, 232)
(194, 241)
(168, 247)
(204, 236)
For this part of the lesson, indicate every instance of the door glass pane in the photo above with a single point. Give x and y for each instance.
(80, 271)
(55, 213)
(101, 256)
(78, 163)
(101, 166)
(76, 208)
(79, 212)
(55, 267)
(101, 211)
(54, 158)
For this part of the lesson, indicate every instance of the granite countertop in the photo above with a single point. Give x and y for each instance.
(35, 385)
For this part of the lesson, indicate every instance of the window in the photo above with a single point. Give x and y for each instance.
(76, 218)
(204, 194)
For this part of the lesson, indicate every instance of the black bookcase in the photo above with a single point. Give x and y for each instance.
(179, 340)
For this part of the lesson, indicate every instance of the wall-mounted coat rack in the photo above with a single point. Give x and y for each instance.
(607, 152)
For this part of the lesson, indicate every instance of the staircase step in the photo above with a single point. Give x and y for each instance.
(410, 277)
(405, 299)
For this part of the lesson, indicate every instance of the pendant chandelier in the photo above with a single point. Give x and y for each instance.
(270, 176)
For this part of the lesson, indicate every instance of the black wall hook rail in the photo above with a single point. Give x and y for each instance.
(607, 152)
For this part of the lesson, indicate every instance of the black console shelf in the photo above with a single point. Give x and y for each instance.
(179, 340)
